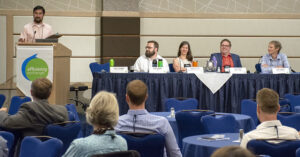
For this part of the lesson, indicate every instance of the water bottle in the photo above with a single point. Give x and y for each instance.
(111, 62)
(241, 134)
(160, 63)
(214, 59)
(172, 115)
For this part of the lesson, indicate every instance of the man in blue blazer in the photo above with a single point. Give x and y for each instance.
(225, 58)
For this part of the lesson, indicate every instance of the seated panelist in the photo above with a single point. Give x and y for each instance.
(225, 57)
(274, 59)
(184, 57)
(145, 62)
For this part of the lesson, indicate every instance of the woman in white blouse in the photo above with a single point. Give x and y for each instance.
(184, 57)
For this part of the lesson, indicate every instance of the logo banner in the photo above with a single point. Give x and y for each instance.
(33, 62)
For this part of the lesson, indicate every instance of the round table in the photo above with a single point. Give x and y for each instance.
(245, 122)
(194, 146)
(297, 109)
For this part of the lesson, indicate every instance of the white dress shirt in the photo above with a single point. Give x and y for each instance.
(267, 130)
(143, 64)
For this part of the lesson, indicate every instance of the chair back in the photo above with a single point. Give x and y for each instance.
(15, 104)
(287, 148)
(258, 68)
(96, 67)
(66, 132)
(285, 105)
(9, 137)
(34, 147)
(292, 120)
(129, 153)
(189, 123)
(148, 145)
(294, 100)
(171, 67)
(178, 105)
(73, 116)
(298, 152)
(248, 107)
(219, 124)
(2, 100)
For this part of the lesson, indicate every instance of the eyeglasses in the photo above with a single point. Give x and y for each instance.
(148, 47)
(225, 45)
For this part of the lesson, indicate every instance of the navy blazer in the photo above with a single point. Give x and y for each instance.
(235, 58)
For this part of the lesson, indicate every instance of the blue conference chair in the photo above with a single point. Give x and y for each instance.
(9, 137)
(148, 145)
(178, 105)
(287, 148)
(189, 123)
(32, 146)
(248, 107)
(294, 100)
(74, 114)
(285, 105)
(16, 103)
(290, 120)
(171, 67)
(96, 67)
(2, 100)
(298, 152)
(66, 132)
(221, 124)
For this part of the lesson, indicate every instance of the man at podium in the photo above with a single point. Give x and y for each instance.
(37, 29)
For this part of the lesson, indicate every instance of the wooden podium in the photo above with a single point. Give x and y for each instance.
(61, 71)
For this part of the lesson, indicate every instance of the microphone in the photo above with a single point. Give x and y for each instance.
(154, 63)
(33, 39)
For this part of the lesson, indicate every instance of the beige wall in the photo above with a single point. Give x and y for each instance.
(2, 49)
(250, 37)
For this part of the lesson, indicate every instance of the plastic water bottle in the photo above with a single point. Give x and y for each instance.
(172, 115)
(111, 62)
(241, 134)
(214, 59)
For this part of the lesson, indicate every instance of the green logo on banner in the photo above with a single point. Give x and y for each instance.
(36, 68)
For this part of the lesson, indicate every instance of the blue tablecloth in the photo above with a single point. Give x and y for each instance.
(162, 86)
(243, 121)
(194, 146)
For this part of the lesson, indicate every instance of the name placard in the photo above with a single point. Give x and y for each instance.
(157, 70)
(280, 70)
(118, 69)
(238, 70)
(194, 70)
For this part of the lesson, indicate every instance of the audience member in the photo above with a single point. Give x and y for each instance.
(37, 29)
(232, 151)
(184, 57)
(270, 127)
(32, 117)
(225, 58)
(102, 114)
(145, 62)
(139, 120)
(274, 59)
(3, 147)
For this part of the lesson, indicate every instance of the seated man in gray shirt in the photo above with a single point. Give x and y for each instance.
(138, 119)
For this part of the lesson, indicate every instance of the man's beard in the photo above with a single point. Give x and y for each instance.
(149, 53)
(38, 20)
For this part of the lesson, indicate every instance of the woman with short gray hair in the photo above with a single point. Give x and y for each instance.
(103, 115)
